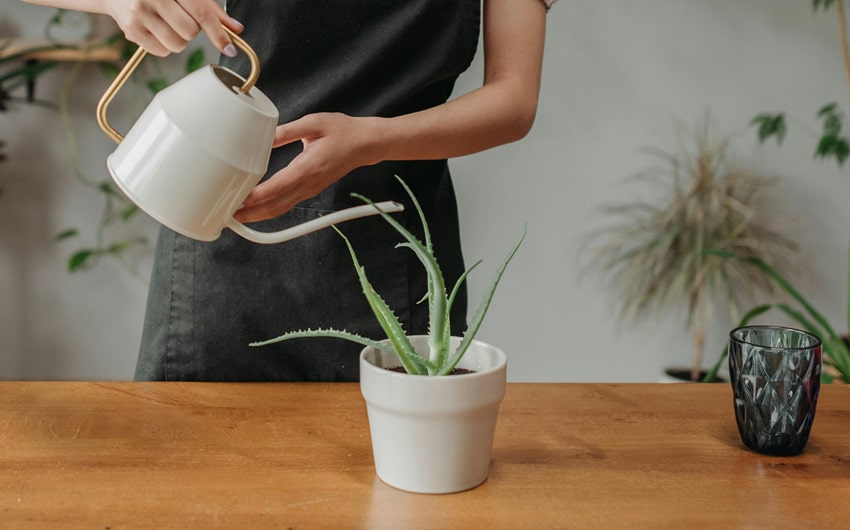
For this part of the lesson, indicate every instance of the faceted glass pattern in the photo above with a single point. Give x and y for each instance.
(775, 374)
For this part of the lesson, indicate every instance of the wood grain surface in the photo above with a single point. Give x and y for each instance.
(209, 455)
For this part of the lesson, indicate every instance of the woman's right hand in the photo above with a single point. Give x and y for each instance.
(165, 26)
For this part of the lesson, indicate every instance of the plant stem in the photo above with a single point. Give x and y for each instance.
(65, 115)
(845, 48)
(699, 346)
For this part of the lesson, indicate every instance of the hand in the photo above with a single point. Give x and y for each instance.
(165, 26)
(334, 145)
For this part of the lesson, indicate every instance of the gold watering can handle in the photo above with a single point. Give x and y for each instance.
(137, 57)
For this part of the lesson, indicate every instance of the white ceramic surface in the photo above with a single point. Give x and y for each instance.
(198, 150)
(433, 434)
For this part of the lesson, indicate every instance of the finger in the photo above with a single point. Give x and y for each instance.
(166, 35)
(180, 21)
(300, 129)
(137, 28)
(274, 191)
(148, 42)
(253, 211)
(210, 16)
(273, 197)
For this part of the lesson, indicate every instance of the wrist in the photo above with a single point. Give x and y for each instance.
(375, 140)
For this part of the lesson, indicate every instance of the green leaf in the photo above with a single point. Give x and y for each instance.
(128, 212)
(770, 125)
(751, 314)
(28, 71)
(838, 352)
(326, 332)
(118, 247)
(80, 259)
(386, 318)
(833, 146)
(157, 84)
(115, 38)
(825, 4)
(841, 150)
(781, 282)
(66, 234)
(128, 50)
(827, 109)
(476, 321)
(440, 360)
(437, 341)
(195, 60)
(832, 124)
(109, 70)
(824, 147)
(454, 293)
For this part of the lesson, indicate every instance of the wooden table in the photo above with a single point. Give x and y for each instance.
(199, 455)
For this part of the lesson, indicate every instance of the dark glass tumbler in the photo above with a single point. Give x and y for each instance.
(775, 373)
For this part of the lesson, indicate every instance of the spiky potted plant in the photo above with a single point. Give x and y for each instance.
(432, 400)
(654, 251)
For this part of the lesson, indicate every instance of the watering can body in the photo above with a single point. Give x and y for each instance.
(198, 150)
(186, 172)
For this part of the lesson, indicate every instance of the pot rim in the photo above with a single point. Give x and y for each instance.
(501, 363)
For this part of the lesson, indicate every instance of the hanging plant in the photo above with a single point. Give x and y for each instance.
(117, 210)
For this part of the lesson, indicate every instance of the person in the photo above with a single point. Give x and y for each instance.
(363, 89)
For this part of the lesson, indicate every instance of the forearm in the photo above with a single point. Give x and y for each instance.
(90, 6)
(499, 112)
(480, 120)
(161, 26)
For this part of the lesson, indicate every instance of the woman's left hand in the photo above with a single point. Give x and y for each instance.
(334, 145)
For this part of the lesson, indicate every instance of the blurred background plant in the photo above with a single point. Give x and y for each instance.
(832, 144)
(151, 77)
(17, 75)
(110, 237)
(653, 255)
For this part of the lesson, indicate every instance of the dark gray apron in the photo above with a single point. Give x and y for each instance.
(208, 301)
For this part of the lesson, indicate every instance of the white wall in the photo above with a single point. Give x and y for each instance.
(616, 76)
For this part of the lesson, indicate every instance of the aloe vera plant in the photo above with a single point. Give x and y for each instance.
(440, 360)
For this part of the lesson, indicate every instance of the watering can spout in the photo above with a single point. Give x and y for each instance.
(324, 221)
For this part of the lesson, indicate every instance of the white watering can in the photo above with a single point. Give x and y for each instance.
(198, 150)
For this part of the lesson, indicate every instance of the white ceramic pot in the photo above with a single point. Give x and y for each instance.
(433, 434)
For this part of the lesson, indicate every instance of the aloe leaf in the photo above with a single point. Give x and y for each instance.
(437, 342)
(472, 329)
(386, 318)
(327, 333)
(451, 301)
(437, 307)
(419, 212)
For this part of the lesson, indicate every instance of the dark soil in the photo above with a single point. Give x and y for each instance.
(456, 371)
